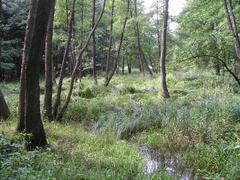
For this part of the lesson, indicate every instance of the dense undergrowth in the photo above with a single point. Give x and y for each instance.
(98, 139)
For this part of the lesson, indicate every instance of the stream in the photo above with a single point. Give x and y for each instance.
(156, 162)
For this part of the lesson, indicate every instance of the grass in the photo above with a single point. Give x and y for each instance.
(104, 125)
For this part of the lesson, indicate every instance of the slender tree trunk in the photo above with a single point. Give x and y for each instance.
(32, 56)
(82, 40)
(66, 52)
(94, 44)
(129, 67)
(48, 66)
(158, 31)
(163, 83)
(79, 60)
(4, 111)
(123, 64)
(110, 44)
(138, 39)
(119, 48)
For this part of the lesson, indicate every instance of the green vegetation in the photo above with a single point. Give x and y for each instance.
(104, 127)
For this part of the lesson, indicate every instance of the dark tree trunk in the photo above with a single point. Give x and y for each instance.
(66, 52)
(110, 44)
(32, 56)
(163, 83)
(94, 43)
(48, 66)
(123, 64)
(129, 67)
(4, 111)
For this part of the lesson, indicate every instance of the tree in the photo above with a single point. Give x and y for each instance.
(232, 24)
(79, 61)
(94, 43)
(30, 118)
(119, 47)
(4, 111)
(49, 65)
(110, 43)
(64, 61)
(163, 83)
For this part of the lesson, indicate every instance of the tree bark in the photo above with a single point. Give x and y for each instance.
(32, 56)
(48, 66)
(4, 111)
(163, 83)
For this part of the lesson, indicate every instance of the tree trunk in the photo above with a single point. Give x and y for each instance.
(48, 66)
(82, 40)
(158, 31)
(110, 44)
(129, 67)
(163, 83)
(94, 44)
(123, 65)
(140, 57)
(66, 52)
(4, 111)
(32, 56)
(232, 24)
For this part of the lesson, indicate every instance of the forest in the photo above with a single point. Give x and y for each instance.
(119, 89)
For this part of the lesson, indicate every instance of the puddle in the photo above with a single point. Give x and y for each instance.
(156, 162)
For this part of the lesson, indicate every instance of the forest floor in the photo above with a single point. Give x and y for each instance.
(128, 131)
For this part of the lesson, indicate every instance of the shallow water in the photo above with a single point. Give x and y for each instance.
(156, 162)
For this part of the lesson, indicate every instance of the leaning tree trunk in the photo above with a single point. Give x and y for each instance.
(64, 61)
(4, 111)
(32, 56)
(163, 83)
(110, 44)
(79, 61)
(48, 66)
(119, 47)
